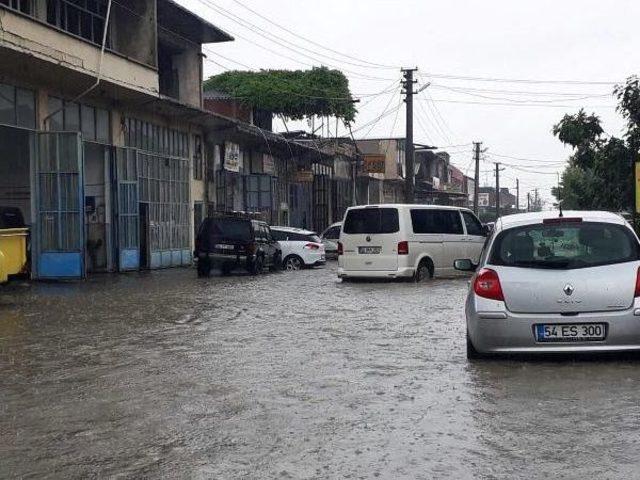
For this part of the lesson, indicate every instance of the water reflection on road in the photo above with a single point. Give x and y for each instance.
(293, 375)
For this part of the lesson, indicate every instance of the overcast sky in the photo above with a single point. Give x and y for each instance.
(544, 40)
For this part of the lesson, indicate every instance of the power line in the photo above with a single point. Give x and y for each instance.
(443, 100)
(370, 64)
(525, 92)
(518, 80)
(515, 100)
(271, 37)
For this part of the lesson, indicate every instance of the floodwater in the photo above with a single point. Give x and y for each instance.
(290, 375)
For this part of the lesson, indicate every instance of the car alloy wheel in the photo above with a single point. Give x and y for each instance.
(293, 263)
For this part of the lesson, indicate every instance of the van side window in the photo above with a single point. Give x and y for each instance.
(436, 221)
(474, 227)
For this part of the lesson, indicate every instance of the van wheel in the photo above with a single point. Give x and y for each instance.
(293, 262)
(204, 268)
(472, 353)
(424, 271)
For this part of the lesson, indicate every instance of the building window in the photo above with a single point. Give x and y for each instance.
(198, 163)
(17, 106)
(73, 117)
(258, 191)
(84, 18)
(156, 139)
(23, 6)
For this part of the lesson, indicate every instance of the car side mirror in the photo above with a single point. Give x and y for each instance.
(486, 230)
(465, 265)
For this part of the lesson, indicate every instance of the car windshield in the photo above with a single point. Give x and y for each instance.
(372, 220)
(565, 246)
(230, 229)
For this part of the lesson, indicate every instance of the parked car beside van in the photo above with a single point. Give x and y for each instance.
(300, 248)
(330, 238)
(229, 242)
(407, 241)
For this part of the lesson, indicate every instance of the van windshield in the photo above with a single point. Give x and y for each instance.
(230, 229)
(372, 220)
(568, 246)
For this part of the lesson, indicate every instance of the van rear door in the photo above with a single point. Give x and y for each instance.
(370, 239)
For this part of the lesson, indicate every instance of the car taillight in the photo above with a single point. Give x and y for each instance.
(251, 248)
(487, 285)
(340, 248)
(403, 248)
(312, 246)
(637, 294)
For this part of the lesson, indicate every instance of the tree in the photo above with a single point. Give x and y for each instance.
(599, 175)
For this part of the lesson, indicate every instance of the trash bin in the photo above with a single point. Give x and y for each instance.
(13, 252)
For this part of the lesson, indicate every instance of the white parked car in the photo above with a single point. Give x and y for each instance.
(300, 248)
(330, 238)
(405, 241)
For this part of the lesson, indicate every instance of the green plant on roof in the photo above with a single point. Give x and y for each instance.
(295, 94)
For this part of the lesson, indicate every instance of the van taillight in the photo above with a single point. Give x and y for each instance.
(340, 249)
(403, 248)
(487, 285)
(637, 294)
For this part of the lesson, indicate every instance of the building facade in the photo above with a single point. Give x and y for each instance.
(104, 153)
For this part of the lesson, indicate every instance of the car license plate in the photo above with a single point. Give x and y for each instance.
(225, 247)
(369, 250)
(570, 332)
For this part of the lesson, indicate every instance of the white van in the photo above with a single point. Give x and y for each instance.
(404, 241)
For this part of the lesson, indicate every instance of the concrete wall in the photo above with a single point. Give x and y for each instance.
(134, 35)
(24, 35)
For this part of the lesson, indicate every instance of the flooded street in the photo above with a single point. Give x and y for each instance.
(290, 375)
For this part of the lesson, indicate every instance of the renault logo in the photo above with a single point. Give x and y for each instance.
(568, 289)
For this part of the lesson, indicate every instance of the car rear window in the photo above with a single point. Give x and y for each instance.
(565, 246)
(372, 220)
(230, 229)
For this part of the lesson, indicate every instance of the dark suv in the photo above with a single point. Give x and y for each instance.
(229, 242)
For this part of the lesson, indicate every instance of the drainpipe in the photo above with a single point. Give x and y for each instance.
(99, 73)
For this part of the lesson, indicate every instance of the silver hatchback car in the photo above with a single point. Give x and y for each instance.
(547, 283)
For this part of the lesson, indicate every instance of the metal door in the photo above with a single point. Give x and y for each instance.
(128, 221)
(59, 243)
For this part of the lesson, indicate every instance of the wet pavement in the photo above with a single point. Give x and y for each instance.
(290, 375)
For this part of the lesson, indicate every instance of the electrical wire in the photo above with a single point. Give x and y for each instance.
(517, 80)
(364, 63)
(271, 37)
(463, 102)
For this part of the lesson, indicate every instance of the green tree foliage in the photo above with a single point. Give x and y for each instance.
(600, 175)
(294, 94)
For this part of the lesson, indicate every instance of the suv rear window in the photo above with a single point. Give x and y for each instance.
(372, 220)
(230, 229)
(565, 246)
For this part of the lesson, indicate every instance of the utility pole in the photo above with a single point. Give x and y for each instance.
(407, 85)
(528, 201)
(517, 195)
(476, 189)
(498, 170)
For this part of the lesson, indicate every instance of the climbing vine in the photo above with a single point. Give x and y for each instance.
(295, 94)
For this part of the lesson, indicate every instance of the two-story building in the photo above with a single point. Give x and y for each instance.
(103, 138)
